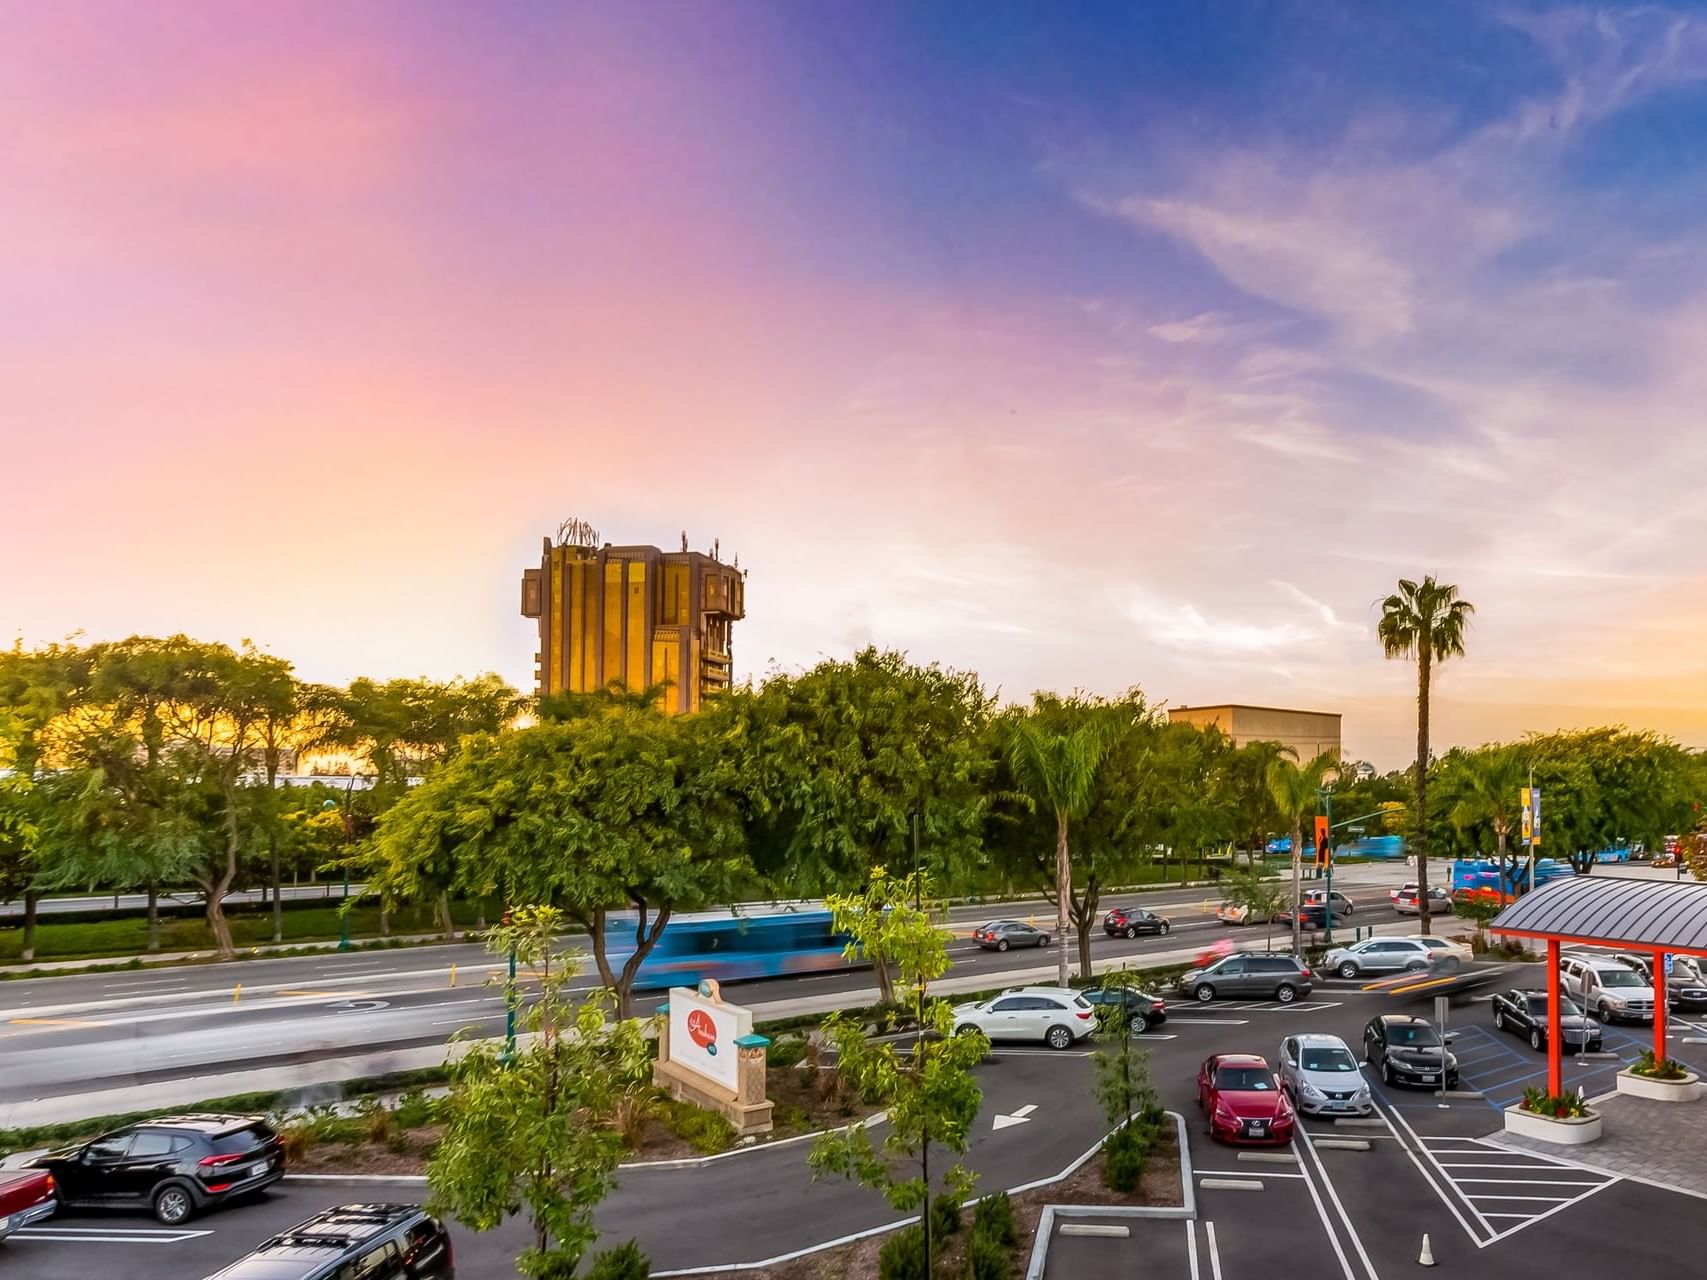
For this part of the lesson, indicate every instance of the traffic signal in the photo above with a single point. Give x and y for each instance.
(1324, 855)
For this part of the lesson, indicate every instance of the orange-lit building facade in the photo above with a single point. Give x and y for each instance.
(635, 615)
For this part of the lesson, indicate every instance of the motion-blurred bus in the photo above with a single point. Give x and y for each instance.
(731, 946)
(1486, 878)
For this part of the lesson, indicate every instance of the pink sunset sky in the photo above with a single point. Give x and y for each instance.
(1140, 345)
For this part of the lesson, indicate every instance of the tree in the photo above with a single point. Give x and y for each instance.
(1424, 621)
(18, 851)
(626, 810)
(837, 762)
(1609, 785)
(1139, 796)
(1056, 767)
(928, 1088)
(1295, 790)
(1488, 783)
(1260, 895)
(1122, 1085)
(534, 1133)
(1245, 783)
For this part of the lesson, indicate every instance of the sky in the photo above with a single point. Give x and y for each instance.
(1084, 346)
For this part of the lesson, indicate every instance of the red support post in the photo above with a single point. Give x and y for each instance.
(1659, 985)
(1555, 1068)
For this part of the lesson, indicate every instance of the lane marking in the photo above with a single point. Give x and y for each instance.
(1191, 1245)
(55, 1022)
(1339, 1207)
(1244, 1173)
(1214, 1253)
(1327, 1226)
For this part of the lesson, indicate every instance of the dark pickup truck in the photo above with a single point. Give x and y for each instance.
(26, 1196)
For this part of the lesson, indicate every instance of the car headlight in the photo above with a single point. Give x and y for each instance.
(1617, 1002)
(1310, 1090)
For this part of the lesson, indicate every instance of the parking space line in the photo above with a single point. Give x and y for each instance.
(1327, 1225)
(1339, 1207)
(1191, 1245)
(1214, 1253)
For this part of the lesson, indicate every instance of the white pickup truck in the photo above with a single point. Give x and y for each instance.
(1607, 988)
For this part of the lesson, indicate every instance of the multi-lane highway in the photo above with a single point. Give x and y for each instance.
(78, 1034)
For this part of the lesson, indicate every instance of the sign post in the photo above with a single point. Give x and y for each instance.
(1441, 1008)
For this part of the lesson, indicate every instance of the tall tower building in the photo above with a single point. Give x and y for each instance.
(636, 615)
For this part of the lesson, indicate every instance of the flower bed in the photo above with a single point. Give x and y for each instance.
(1662, 1080)
(1564, 1119)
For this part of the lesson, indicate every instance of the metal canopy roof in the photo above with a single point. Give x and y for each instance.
(1600, 909)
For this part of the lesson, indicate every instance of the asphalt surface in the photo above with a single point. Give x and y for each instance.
(65, 1036)
(138, 902)
(1351, 1214)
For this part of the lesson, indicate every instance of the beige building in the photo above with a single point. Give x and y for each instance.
(1309, 733)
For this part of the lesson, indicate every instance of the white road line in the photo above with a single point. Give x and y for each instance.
(1244, 1173)
(1527, 1182)
(1327, 1226)
(1191, 1245)
(1541, 1199)
(1328, 1186)
(1443, 1176)
(1210, 1022)
(1558, 1208)
(1214, 1253)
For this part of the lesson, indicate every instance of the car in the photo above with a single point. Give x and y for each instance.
(1343, 906)
(1058, 1016)
(1410, 887)
(1319, 1073)
(1609, 989)
(1523, 1012)
(1406, 1049)
(1001, 935)
(1243, 1101)
(1378, 955)
(26, 1196)
(176, 1166)
(1439, 901)
(1129, 922)
(1312, 915)
(1686, 986)
(1231, 913)
(1153, 1010)
(352, 1242)
(1249, 973)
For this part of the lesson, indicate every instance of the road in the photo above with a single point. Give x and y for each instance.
(77, 1034)
(1490, 1213)
(138, 902)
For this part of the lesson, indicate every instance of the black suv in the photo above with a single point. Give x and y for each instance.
(177, 1165)
(352, 1242)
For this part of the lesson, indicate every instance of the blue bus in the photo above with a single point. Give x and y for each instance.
(730, 947)
(1485, 878)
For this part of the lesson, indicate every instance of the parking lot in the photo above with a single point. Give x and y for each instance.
(1349, 1200)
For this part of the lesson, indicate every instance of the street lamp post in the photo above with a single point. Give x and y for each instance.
(349, 840)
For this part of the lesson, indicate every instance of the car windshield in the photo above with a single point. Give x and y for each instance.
(1328, 1059)
(1567, 1008)
(1621, 978)
(1413, 1035)
(1243, 1079)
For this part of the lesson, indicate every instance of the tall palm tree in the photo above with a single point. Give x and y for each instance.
(1295, 790)
(1491, 779)
(1423, 620)
(1057, 770)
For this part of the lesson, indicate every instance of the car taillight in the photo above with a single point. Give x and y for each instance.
(219, 1186)
(1158, 1006)
(1304, 973)
(51, 1184)
(1084, 1013)
(209, 1162)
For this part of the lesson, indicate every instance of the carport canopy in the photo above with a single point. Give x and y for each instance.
(1657, 916)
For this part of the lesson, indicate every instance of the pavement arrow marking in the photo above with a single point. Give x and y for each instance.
(1021, 1115)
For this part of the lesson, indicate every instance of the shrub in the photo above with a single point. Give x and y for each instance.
(1661, 1069)
(1123, 1157)
(785, 1053)
(297, 1138)
(625, 1262)
(1562, 1106)
(994, 1219)
(633, 1110)
(707, 1132)
(988, 1259)
(414, 1110)
(372, 1120)
(903, 1256)
(945, 1216)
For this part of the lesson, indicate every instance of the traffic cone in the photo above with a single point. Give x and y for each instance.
(1427, 1259)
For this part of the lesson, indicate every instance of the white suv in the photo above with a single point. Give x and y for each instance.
(1609, 989)
(1058, 1016)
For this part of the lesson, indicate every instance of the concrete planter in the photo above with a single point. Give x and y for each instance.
(1687, 1089)
(1570, 1132)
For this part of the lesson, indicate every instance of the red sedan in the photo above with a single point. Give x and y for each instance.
(1243, 1101)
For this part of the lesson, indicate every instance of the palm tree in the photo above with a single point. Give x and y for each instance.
(1424, 621)
(1491, 779)
(1295, 790)
(1057, 770)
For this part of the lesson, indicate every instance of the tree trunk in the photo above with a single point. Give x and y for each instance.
(1084, 913)
(447, 926)
(1297, 885)
(278, 906)
(480, 915)
(1424, 661)
(1063, 890)
(384, 921)
(32, 897)
(153, 916)
(218, 925)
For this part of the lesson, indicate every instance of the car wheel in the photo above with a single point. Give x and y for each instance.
(965, 1029)
(1203, 993)
(1605, 1014)
(1348, 969)
(1286, 993)
(1386, 1072)
(1535, 1038)
(1415, 966)
(172, 1205)
(1164, 929)
(1043, 941)
(1499, 1020)
(1002, 945)
(1131, 931)
(1059, 1038)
